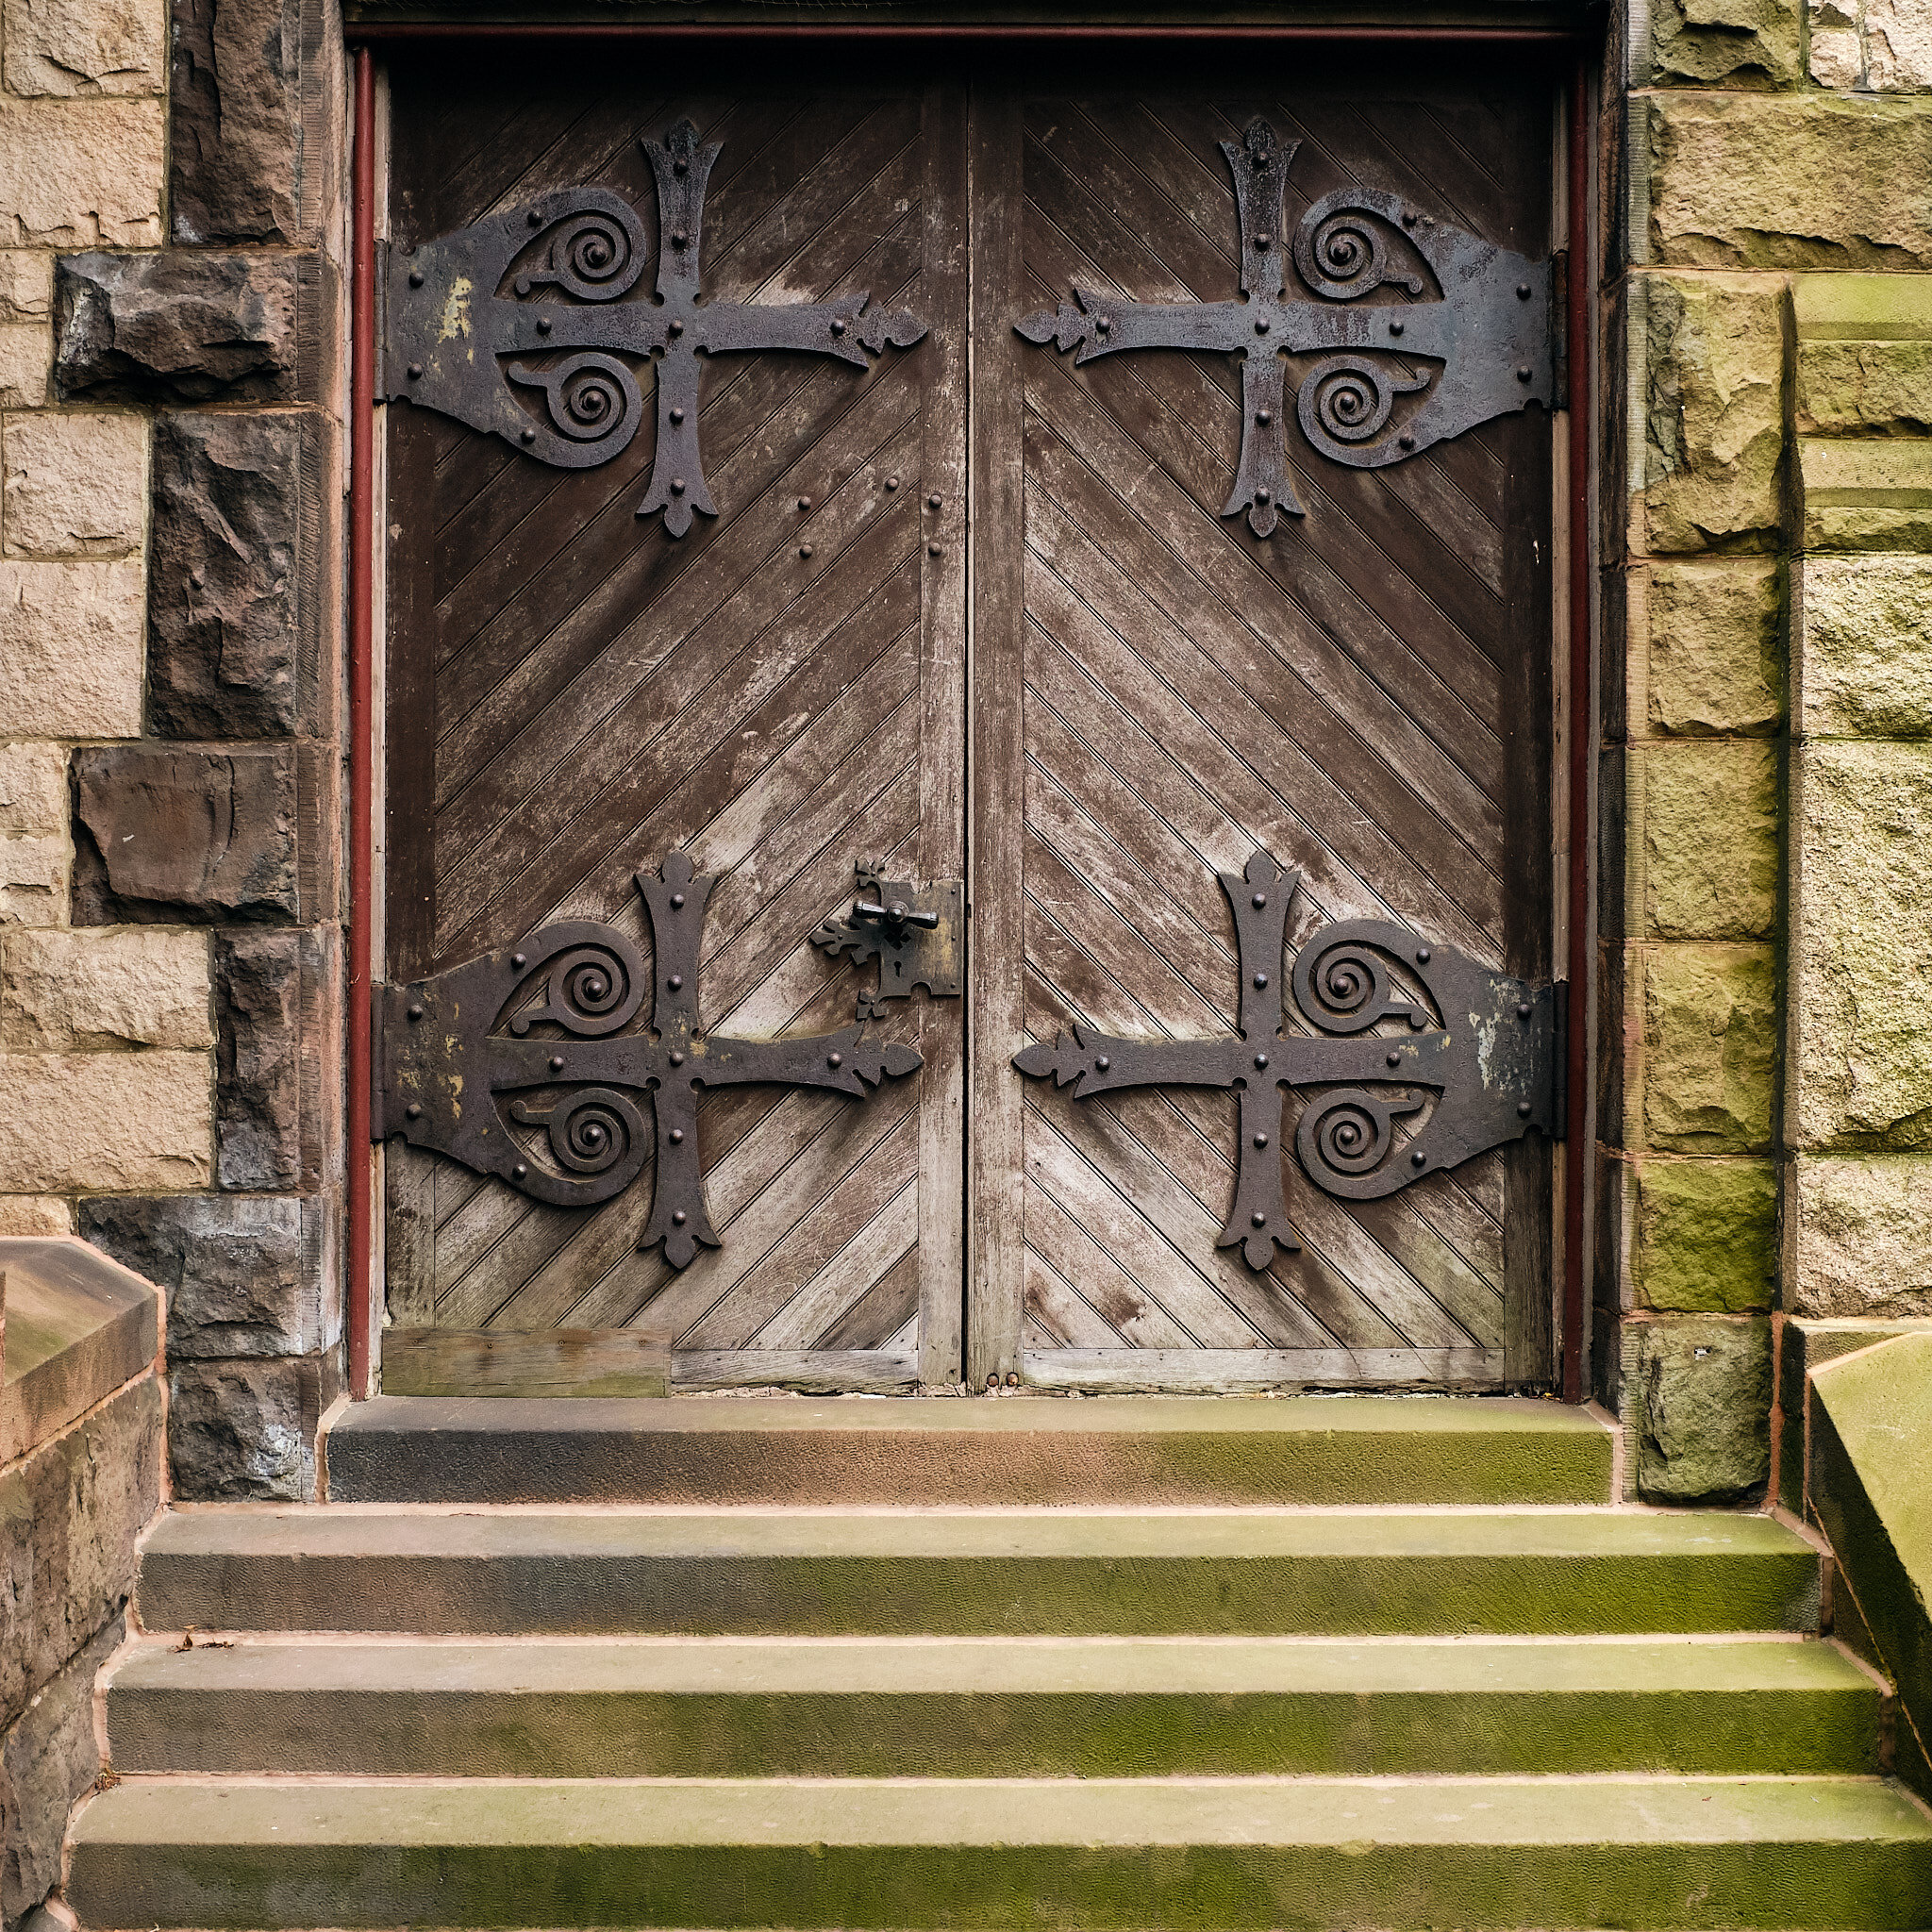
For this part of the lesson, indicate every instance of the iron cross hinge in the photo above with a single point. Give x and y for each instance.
(1457, 331)
(518, 1064)
(517, 326)
(1466, 1059)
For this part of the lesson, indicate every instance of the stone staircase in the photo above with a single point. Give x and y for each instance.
(1107, 1662)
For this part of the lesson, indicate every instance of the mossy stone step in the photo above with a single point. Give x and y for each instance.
(1143, 1452)
(1279, 1852)
(994, 1708)
(1054, 1573)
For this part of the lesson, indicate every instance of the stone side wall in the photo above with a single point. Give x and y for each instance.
(1766, 943)
(170, 632)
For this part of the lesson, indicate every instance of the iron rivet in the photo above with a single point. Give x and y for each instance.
(677, 902)
(892, 482)
(675, 982)
(835, 1059)
(677, 1217)
(1395, 328)
(1409, 218)
(1264, 241)
(1260, 1059)
(1523, 292)
(1260, 1139)
(556, 1063)
(677, 486)
(518, 1172)
(527, 435)
(1407, 442)
(415, 278)
(1104, 323)
(679, 238)
(1522, 1109)
(516, 958)
(675, 328)
(680, 167)
(935, 549)
(677, 1059)
(415, 372)
(542, 324)
(1261, 325)
(1260, 900)
(536, 218)
(522, 285)
(1012, 1379)
(804, 503)
(1524, 1010)
(414, 1110)
(838, 325)
(1259, 1219)
(415, 1012)
(933, 501)
(1264, 496)
(1260, 979)
(677, 1137)
(1394, 1059)
(677, 417)
(1422, 955)
(1524, 371)
(1264, 417)
(993, 1381)
(804, 550)
(1418, 1159)
(1102, 1063)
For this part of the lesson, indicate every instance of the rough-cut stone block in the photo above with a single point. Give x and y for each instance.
(1713, 377)
(277, 1069)
(81, 173)
(33, 834)
(24, 353)
(241, 575)
(26, 285)
(1709, 1049)
(235, 169)
(1705, 1238)
(34, 1214)
(1699, 1390)
(69, 1515)
(185, 835)
(1802, 180)
(1710, 839)
(246, 1276)
(1867, 493)
(1861, 1071)
(1734, 43)
(33, 880)
(1713, 636)
(76, 484)
(1837, 56)
(1863, 646)
(71, 639)
(1898, 46)
(33, 788)
(82, 47)
(109, 987)
(189, 325)
(107, 1122)
(1859, 1236)
(48, 1760)
(1865, 389)
(241, 1430)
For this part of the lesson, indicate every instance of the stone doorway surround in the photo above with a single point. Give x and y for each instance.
(171, 374)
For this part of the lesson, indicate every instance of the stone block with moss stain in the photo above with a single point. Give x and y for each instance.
(1713, 648)
(1707, 1236)
(1709, 1047)
(1863, 646)
(1733, 43)
(1858, 1236)
(1805, 1344)
(1864, 363)
(1699, 1393)
(1861, 967)
(1709, 849)
(1802, 181)
(1868, 493)
(1713, 425)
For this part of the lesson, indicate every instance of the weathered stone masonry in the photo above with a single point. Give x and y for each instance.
(171, 624)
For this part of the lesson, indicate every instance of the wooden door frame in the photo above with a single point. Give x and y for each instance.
(1568, 50)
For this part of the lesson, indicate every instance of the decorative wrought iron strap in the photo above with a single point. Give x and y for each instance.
(1486, 323)
(1488, 1051)
(457, 1050)
(471, 313)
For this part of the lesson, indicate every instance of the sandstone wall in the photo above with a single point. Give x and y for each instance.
(1765, 1100)
(170, 632)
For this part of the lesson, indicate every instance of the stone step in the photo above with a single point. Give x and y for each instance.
(1136, 1452)
(1285, 1852)
(994, 1708)
(1052, 1573)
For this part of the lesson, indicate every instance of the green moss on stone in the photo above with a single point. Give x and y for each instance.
(1866, 493)
(1711, 840)
(1711, 1043)
(1706, 1235)
(1738, 43)
(1713, 636)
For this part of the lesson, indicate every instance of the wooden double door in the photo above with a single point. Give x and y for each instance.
(949, 597)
